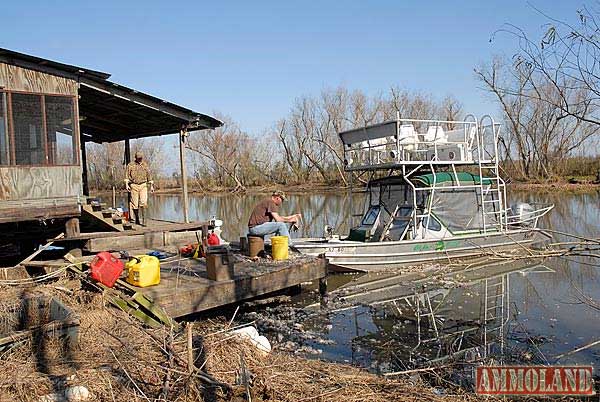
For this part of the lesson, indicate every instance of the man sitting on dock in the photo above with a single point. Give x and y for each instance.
(137, 179)
(265, 218)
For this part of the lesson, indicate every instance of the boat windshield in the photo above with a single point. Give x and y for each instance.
(400, 223)
(371, 215)
(389, 211)
(394, 196)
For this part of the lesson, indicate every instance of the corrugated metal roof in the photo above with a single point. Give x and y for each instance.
(112, 112)
(29, 61)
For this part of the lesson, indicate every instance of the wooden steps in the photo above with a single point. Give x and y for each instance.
(98, 210)
(98, 213)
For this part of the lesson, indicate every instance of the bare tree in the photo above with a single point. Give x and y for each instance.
(451, 110)
(229, 156)
(565, 60)
(538, 132)
(105, 165)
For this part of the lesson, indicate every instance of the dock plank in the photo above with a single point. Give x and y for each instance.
(154, 228)
(186, 290)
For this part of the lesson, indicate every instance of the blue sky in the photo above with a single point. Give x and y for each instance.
(250, 59)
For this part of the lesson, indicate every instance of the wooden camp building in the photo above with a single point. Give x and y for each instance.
(48, 111)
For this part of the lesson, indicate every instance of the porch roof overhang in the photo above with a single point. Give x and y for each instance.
(110, 112)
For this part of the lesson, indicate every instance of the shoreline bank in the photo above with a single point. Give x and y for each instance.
(332, 189)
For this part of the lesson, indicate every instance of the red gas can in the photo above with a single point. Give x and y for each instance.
(213, 240)
(106, 269)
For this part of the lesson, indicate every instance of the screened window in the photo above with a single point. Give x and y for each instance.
(4, 149)
(62, 144)
(39, 130)
(30, 147)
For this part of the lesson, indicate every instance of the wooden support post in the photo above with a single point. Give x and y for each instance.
(72, 227)
(84, 171)
(205, 237)
(127, 160)
(127, 152)
(350, 199)
(182, 137)
(114, 189)
(323, 286)
(190, 347)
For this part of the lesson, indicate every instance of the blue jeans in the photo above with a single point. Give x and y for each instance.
(267, 228)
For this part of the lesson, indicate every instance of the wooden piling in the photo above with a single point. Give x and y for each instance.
(72, 227)
(182, 137)
(190, 350)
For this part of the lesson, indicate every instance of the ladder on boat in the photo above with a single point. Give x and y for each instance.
(491, 185)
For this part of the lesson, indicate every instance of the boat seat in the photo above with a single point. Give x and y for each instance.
(436, 135)
(378, 148)
(408, 137)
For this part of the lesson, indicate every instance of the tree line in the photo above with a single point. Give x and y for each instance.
(547, 94)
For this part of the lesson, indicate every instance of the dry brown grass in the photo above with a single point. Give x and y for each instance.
(118, 359)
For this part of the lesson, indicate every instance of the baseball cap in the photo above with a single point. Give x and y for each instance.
(279, 193)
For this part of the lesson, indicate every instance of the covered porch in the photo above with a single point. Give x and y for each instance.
(42, 194)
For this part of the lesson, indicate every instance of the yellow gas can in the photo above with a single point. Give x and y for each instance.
(143, 271)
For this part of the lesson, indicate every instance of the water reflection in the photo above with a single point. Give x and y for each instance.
(425, 321)
(505, 313)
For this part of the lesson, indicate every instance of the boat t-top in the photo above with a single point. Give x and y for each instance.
(434, 193)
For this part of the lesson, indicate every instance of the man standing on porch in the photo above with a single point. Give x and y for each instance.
(137, 180)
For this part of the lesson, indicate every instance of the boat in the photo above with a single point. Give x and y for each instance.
(434, 193)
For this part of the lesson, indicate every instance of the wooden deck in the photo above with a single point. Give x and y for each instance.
(184, 288)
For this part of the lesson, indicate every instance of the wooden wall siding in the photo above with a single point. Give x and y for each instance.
(14, 78)
(39, 209)
(50, 183)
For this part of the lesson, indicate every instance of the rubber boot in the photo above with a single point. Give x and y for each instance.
(136, 214)
(142, 216)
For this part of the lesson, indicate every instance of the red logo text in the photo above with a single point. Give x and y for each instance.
(534, 380)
